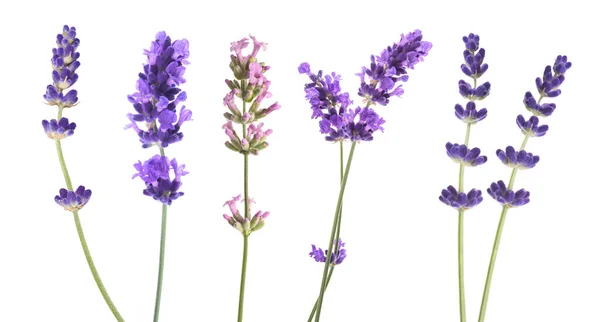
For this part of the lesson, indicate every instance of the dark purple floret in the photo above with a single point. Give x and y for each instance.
(157, 97)
(58, 130)
(531, 127)
(336, 258)
(460, 201)
(64, 64)
(506, 197)
(324, 93)
(73, 200)
(470, 114)
(467, 91)
(156, 174)
(386, 70)
(346, 127)
(459, 153)
(517, 159)
(473, 66)
(549, 83)
(537, 109)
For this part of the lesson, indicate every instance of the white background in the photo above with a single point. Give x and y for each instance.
(401, 240)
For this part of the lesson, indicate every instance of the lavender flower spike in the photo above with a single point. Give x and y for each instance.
(460, 200)
(73, 200)
(507, 197)
(549, 83)
(520, 160)
(156, 174)
(320, 256)
(64, 64)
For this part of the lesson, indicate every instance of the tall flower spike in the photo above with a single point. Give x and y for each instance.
(64, 64)
(158, 94)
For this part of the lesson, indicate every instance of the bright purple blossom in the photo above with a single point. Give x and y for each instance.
(244, 225)
(537, 109)
(459, 153)
(64, 64)
(549, 83)
(470, 114)
(473, 66)
(460, 200)
(73, 200)
(162, 178)
(336, 258)
(157, 96)
(324, 93)
(58, 130)
(517, 159)
(467, 91)
(390, 68)
(507, 197)
(531, 127)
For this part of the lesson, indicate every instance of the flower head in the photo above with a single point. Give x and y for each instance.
(336, 258)
(517, 159)
(158, 95)
(460, 200)
(64, 64)
(390, 67)
(536, 108)
(162, 184)
(459, 153)
(244, 225)
(58, 130)
(548, 85)
(480, 92)
(73, 200)
(473, 66)
(507, 197)
(470, 114)
(531, 127)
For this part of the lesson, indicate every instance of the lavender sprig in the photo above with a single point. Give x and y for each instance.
(547, 86)
(64, 66)
(339, 122)
(155, 103)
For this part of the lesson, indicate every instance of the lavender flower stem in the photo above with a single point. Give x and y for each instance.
(86, 251)
(161, 261)
(243, 280)
(333, 230)
(312, 313)
(461, 271)
(488, 279)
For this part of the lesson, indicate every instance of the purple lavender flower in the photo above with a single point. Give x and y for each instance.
(58, 130)
(460, 200)
(470, 114)
(324, 93)
(517, 159)
(64, 64)
(244, 225)
(467, 91)
(156, 174)
(473, 66)
(158, 95)
(549, 83)
(390, 67)
(537, 109)
(320, 256)
(459, 153)
(73, 200)
(506, 197)
(531, 127)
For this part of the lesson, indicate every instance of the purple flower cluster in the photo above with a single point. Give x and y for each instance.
(473, 67)
(162, 178)
(336, 258)
(548, 86)
(244, 225)
(58, 130)
(64, 64)
(73, 200)
(156, 104)
(158, 95)
(390, 68)
(251, 86)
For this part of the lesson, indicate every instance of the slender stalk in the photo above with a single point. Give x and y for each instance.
(84, 246)
(161, 261)
(488, 279)
(333, 230)
(461, 272)
(314, 309)
(243, 280)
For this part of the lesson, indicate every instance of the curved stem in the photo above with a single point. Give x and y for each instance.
(314, 309)
(243, 280)
(161, 261)
(333, 229)
(488, 280)
(84, 246)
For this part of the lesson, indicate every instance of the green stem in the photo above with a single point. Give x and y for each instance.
(339, 225)
(468, 134)
(461, 273)
(243, 280)
(488, 280)
(314, 309)
(161, 261)
(84, 246)
(333, 230)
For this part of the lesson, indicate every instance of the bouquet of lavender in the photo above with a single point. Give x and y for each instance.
(379, 82)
